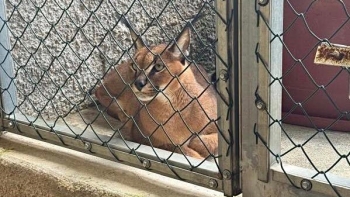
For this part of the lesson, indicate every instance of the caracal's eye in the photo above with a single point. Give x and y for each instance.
(134, 66)
(159, 67)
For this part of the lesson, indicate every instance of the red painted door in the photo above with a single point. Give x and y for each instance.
(315, 95)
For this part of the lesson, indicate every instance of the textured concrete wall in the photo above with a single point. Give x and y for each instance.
(62, 49)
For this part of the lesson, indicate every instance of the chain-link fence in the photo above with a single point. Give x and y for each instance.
(94, 75)
(312, 83)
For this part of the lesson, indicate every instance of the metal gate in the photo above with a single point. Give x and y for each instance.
(52, 53)
(278, 158)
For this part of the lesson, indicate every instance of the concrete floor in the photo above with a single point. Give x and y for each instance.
(324, 149)
(34, 168)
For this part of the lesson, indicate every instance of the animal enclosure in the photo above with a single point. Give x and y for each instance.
(146, 83)
(208, 92)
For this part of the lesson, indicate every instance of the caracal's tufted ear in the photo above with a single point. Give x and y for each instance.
(136, 38)
(181, 46)
(138, 42)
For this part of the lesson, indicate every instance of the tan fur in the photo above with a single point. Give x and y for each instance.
(174, 104)
(118, 98)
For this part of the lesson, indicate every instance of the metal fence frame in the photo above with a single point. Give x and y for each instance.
(239, 30)
(7, 68)
(226, 180)
(262, 175)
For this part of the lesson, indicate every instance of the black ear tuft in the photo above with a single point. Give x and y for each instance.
(183, 61)
(182, 44)
(137, 40)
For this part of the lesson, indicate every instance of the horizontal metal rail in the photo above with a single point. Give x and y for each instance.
(303, 178)
(176, 166)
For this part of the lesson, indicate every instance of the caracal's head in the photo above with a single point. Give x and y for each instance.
(159, 68)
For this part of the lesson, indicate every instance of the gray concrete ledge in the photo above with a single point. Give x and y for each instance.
(33, 168)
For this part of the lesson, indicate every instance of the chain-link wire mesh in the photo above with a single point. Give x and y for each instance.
(63, 51)
(315, 96)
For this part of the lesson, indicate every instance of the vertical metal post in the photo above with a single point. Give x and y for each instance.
(271, 94)
(233, 35)
(227, 87)
(276, 70)
(263, 91)
(249, 36)
(7, 87)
